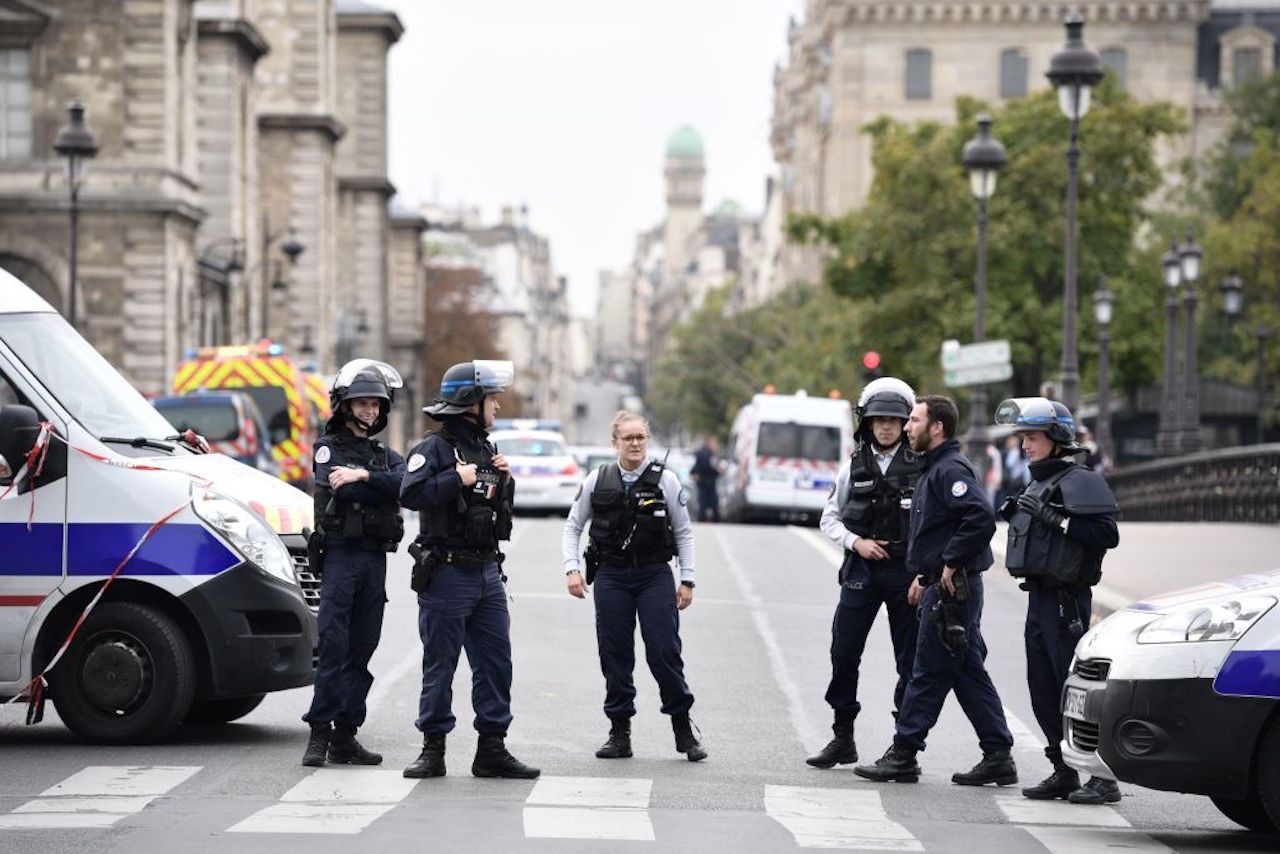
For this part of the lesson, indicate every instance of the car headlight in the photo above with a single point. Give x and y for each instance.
(246, 531)
(1224, 620)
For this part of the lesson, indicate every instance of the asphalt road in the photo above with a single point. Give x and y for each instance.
(756, 644)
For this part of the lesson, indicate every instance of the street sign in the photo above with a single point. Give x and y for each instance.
(975, 364)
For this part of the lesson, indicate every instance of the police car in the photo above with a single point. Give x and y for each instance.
(547, 475)
(186, 568)
(1182, 693)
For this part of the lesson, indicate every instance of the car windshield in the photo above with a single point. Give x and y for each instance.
(525, 446)
(213, 419)
(79, 378)
(799, 441)
(274, 407)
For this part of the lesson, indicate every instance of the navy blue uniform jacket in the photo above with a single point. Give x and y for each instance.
(951, 521)
(382, 487)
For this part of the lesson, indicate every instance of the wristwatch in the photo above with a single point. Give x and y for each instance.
(572, 572)
(688, 584)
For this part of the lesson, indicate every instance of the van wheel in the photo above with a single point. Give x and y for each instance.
(1268, 788)
(128, 678)
(223, 711)
(1248, 812)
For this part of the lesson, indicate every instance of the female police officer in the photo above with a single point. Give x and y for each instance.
(639, 521)
(357, 522)
(462, 488)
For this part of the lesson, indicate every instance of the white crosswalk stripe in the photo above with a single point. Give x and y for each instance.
(837, 818)
(97, 796)
(1091, 840)
(331, 800)
(589, 808)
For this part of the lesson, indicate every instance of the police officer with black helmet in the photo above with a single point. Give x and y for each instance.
(868, 513)
(357, 513)
(1060, 528)
(462, 488)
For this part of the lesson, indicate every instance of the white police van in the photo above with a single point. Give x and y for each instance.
(205, 612)
(1182, 693)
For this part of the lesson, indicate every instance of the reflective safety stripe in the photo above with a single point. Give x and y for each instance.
(96, 548)
(1249, 673)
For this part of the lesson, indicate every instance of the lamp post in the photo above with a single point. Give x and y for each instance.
(983, 158)
(1232, 295)
(1073, 71)
(291, 248)
(76, 143)
(1189, 256)
(1103, 304)
(233, 263)
(1167, 436)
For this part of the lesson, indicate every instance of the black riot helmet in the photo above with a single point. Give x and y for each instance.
(363, 378)
(467, 383)
(886, 396)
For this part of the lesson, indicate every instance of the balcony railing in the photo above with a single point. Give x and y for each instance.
(1227, 485)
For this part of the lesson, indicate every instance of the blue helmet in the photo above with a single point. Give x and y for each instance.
(1028, 414)
(467, 383)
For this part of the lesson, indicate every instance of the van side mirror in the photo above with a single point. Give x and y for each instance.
(19, 429)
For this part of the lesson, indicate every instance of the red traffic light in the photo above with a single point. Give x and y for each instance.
(871, 360)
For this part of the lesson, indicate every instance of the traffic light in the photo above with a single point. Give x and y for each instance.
(871, 366)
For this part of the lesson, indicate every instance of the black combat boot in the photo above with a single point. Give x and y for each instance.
(345, 750)
(840, 750)
(1097, 791)
(1063, 781)
(898, 765)
(686, 742)
(430, 762)
(493, 760)
(996, 767)
(619, 744)
(317, 745)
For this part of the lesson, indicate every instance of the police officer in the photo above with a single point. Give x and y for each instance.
(462, 488)
(357, 490)
(949, 547)
(869, 514)
(639, 520)
(1060, 527)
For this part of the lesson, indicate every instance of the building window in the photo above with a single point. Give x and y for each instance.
(15, 103)
(1115, 60)
(919, 75)
(1246, 64)
(1013, 73)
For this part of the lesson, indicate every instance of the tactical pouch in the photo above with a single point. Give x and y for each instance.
(502, 528)
(353, 523)
(478, 526)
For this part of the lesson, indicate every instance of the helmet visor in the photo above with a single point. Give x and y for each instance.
(494, 376)
(1032, 413)
(348, 373)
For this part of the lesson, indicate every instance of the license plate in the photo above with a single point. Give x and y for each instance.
(1073, 705)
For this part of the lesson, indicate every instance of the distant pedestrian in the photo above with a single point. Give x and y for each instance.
(706, 474)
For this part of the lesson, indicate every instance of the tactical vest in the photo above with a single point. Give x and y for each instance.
(879, 504)
(482, 515)
(1045, 554)
(631, 526)
(340, 519)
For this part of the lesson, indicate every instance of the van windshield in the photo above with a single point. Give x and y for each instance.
(799, 441)
(79, 378)
(215, 420)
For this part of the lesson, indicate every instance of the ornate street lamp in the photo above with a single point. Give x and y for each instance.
(1168, 435)
(1189, 256)
(1232, 295)
(984, 158)
(292, 248)
(1073, 71)
(76, 143)
(1103, 305)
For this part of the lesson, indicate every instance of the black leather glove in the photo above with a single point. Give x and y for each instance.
(1038, 508)
(1008, 507)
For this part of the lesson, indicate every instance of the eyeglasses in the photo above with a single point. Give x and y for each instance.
(636, 440)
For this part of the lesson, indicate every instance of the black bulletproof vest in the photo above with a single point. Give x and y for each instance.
(879, 504)
(341, 519)
(631, 525)
(482, 515)
(1045, 554)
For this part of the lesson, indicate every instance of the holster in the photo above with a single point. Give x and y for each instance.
(426, 563)
(592, 560)
(315, 553)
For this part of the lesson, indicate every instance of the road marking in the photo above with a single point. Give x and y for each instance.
(589, 808)
(819, 543)
(837, 818)
(1088, 840)
(1022, 810)
(331, 800)
(808, 734)
(97, 796)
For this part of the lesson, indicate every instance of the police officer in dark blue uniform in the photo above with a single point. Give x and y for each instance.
(869, 514)
(357, 491)
(1060, 527)
(462, 488)
(949, 547)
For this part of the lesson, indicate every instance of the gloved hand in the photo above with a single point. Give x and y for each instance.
(1038, 508)
(1008, 507)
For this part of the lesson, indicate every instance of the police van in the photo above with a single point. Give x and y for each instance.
(1182, 693)
(143, 583)
(787, 450)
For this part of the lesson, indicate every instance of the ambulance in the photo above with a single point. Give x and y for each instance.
(1182, 693)
(294, 402)
(143, 583)
(787, 450)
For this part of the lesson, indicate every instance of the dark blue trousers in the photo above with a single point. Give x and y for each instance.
(465, 609)
(937, 672)
(621, 594)
(1050, 644)
(708, 503)
(353, 593)
(886, 584)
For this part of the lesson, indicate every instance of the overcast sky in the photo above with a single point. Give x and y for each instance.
(566, 105)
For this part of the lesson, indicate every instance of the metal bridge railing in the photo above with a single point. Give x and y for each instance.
(1227, 485)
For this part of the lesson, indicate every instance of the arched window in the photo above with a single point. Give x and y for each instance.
(1013, 73)
(1115, 60)
(919, 74)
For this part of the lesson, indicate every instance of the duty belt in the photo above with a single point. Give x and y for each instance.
(468, 559)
